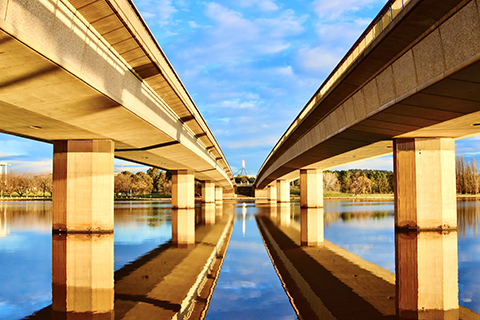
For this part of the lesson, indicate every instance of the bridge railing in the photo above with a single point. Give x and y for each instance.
(386, 16)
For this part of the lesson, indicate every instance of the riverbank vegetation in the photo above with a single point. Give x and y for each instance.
(156, 183)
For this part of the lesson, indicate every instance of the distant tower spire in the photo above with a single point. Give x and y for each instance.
(243, 171)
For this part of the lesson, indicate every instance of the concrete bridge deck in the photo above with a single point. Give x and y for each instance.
(91, 70)
(412, 74)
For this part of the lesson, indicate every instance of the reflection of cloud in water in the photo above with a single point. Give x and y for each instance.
(248, 281)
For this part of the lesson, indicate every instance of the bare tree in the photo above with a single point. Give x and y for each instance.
(20, 183)
(360, 184)
(330, 181)
(44, 183)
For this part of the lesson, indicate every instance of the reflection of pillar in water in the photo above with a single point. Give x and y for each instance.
(426, 266)
(3, 224)
(208, 212)
(219, 209)
(273, 211)
(311, 226)
(283, 214)
(183, 227)
(82, 275)
(244, 215)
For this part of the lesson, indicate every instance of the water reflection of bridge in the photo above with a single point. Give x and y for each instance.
(168, 282)
(327, 282)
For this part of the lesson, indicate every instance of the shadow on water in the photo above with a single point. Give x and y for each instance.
(336, 294)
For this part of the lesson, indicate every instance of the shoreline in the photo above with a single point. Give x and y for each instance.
(386, 197)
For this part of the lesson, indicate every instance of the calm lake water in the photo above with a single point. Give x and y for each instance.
(247, 283)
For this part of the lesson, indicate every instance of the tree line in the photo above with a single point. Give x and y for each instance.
(356, 181)
(154, 181)
(29, 184)
(26, 183)
(467, 175)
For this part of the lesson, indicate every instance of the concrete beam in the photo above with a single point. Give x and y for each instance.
(83, 185)
(183, 189)
(425, 194)
(311, 188)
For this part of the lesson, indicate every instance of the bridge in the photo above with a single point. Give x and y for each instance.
(409, 85)
(89, 77)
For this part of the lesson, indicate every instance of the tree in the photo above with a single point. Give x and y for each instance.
(360, 184)
(20, 183)
(123, 182)
(142, 183)
(330, 181)
(44, 183)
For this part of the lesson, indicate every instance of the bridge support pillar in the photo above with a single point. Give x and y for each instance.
(283, 191)
(183, 189)
(311, 227)
(426, 265)
(208, 191)
(272, 193)
(425, 188)
(218, 194)
(311, 188)
(83, 186)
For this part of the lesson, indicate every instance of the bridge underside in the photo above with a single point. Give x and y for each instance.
(43, 101)
(431, 90)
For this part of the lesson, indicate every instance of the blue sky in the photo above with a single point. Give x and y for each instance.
(250, 67)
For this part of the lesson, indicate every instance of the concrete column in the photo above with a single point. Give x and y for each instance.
(208, 191)
(82, 275)
(311, 226)
(218, 194)
(83, 185)
(183, 227)
(426, 265)
(425, 195)
(183, 189)
(283, 191)
(311, 188)
(272, 193)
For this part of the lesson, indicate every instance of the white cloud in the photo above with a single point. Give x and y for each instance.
(332, 9)
(317, 59)
(159, 11)
(258, 142)
(35, 166)
(237, 104)
(193, 24)
(263, 5)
